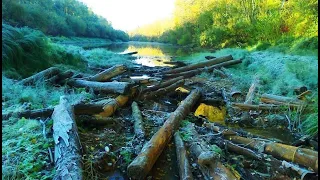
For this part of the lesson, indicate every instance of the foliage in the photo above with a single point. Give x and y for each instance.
(59, 18)
(25, 151)
(26, 51)
(237, 23)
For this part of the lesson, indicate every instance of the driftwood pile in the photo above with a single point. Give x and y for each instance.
(284, 160)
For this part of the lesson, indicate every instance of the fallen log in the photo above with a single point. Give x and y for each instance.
(67, 148)
(111, 105)
(107, 87)
(162, 84)
(45, 74)
(220, 73)
(248, 107)
(138, 121)
(107, 74)
(142, 164)
(302, 156)
(185, 172)
(281, 100)
(60, 78)
(188, 74)
(164, 90)
(130, 53)
(200, 65)
(209, 161)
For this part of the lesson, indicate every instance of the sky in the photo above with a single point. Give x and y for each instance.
(130, 14)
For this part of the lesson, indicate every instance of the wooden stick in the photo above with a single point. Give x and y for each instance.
(247, 107)
(164, 90)
(183, 163)
(162, 84)
(142, 164)
(106, 75)
(67, 155)
(200, 65)
(281, 100)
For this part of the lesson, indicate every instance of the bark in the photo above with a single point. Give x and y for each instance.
(248, 107)
(107, 87)
(209, 162)
(187, 74)
(138, 121)
(142, 164)
(183, 163)
(164, 90)
(106, 75)
(67, 144)
(45, 74)
(281, 100)
(200, 65)
(162, 84)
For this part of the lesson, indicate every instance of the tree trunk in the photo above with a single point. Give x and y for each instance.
(107, 87)
(111, 105)
(200, 65)
(164, 90)
(60, 78)
(142, 164)
(67, 144)
(187, 74)
(138, 121)
(45, 74)
(106, 75)
(209, 162)
(162, 84)
(183, 163)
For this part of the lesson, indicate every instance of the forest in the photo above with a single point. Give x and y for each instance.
(220, 89)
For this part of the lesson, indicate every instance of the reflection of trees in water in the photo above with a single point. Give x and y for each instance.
(117, 47)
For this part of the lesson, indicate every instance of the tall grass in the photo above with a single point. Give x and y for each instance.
(26, 51)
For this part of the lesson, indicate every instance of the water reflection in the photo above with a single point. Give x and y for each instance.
(150, 53)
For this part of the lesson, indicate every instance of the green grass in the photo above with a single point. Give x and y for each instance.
(25, 152)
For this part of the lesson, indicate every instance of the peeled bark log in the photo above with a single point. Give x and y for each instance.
(106, 75)
(162, 84)
(107, 87)
(187, 74)
(138, 121)
(111, 105)
(248, 107)
(67, 155)
(200, 65)
(281, 100)
(142, 164)
(45, 74)
(209, 162)
(183, 163)
(164, 90)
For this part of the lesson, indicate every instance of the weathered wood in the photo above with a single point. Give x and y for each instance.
(130, 53)
(107, 74)
(248, 107)
(142, 164)
(67, 151)
(138, 121)
(185, 172)
(220, 73)
(187, 74)
(281, 100)
(200, 65)
(45, 74)
(32, 114)
(107, 87)
(164, 90)
(162, 84)
(245, 116)
(209, 161)
(111, 105)
(243, 151)
(210, 57)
